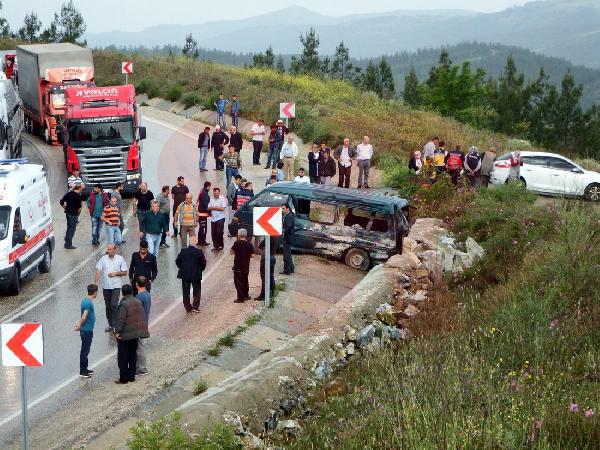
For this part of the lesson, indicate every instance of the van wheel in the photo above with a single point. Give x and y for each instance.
(15, 284)
(592, 192)
(357, 258)
(46, 263)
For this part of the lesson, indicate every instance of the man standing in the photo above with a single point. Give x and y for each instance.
(110, 268)
(216, 208)
(515, 161)
(258, 133)
(71, 203)
(242, 251)
(487, 164)
(272, 155)
(143, 264)
(473, 167)
(143, 295)
(272, 261)
(344, 155)
(110, 216)
(187, 218)
(220, 105)
(164, 207)
(74, 178)
(96, 202)
(233, 164)
(203, 214)
(142, 199)
(232, 189)
(288, 234)
(235, 110)
(289, 151)
(327, 168)
(302, 178)
(178, 193)
(131, 326)
(439, 157)
(191, 263)
(118, 194)
(364, 153)
(152, 225)
(218, 142)
(454, 163)
(85, 326)
(314, 160)
(429, 149)
(279, 136)
(203, 145)
(236, 139)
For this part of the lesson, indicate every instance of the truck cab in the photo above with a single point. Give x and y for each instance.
(102, 136)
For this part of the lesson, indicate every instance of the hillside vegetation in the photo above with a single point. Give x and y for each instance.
(327, 110)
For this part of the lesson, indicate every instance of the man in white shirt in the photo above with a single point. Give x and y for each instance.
(74, 178)
(429, 148)
(217, 207)
(344, 155)
(258, 133)
(110, 268)
(302, 178)
(289, 151)
(364, 153)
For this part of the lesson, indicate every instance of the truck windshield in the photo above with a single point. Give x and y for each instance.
(4, 221)
(101, 134)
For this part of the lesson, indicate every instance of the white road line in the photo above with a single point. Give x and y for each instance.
(105, 358)
(169, 126)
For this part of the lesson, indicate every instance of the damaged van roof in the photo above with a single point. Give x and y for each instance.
(349, 197)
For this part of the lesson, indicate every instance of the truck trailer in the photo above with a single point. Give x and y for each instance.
(45, 71)
(11, 121)
(102, 136)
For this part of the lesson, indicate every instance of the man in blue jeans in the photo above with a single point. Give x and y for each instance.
(152, 225)
(71, 203)
(235, 110)
(203, 146)
(85, 326)
(97, 201)
(220, 104)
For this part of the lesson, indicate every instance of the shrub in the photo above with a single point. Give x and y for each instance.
(148, 87)
(190, 99)
(200, 386)
(228, 340)
(174, 92)
(214, 351)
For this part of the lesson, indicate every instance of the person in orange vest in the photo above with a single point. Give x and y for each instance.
(454, 163)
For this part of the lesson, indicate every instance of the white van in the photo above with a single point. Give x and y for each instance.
(26, 229)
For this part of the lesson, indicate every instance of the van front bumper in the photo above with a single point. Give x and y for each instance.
(6, 276)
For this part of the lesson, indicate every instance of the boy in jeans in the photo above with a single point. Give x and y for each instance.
(85, 326)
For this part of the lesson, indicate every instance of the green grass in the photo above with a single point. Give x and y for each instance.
(228, 340)
(214, 351)
(200, 386)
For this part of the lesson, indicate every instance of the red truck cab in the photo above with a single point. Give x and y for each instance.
(102, 136)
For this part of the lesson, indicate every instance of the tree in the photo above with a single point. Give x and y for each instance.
(412, 95)
(510, 100)
(280, 66)
(50, 34)
(264, 61)
(341, 68)
(69, 24)
(309, 59)
(567, 117)
(4, 26)
(386, 86)
(31, 27)
(541, 94)
(369, 80)
(190, 48)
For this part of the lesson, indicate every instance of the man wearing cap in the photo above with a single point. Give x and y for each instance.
(218, 142)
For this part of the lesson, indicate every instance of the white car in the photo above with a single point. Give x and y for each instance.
(549, 173)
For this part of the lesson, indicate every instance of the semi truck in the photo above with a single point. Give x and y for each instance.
(45, 71)
(11, 121)
(8, 60)
(102, 136)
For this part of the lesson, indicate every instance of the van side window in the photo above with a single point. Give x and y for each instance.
(323, 213)
(4, 221)
(17, 224)
(269, 198)
(368, 220)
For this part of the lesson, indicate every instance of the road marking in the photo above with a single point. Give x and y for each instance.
(170, 127)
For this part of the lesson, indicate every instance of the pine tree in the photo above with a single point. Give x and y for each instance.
(309, 59)
(31, 27)
(264, 61)
(511, 99)
(341, 67)
(69, 24)
(280, 66)
(567, 117)
(412, 95)
(50, 34)
(190, 48)
(387, 88)
(541, 94)
(4, 26)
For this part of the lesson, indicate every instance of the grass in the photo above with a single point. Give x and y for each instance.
(214, 351)
(228, 340)
(279, 288)
(200, 386)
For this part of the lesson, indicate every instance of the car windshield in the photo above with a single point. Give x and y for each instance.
(103, 134)
(4, 221)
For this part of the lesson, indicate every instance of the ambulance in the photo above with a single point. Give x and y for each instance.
(26, 229)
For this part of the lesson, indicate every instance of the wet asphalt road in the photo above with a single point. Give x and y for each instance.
(53, 299)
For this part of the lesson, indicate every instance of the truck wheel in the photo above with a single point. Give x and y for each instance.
(15, 284)
(357, 258)
(46, 263)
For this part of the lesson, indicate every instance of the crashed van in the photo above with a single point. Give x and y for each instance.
(359, 227)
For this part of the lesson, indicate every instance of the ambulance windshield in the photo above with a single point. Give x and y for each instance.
(4, 221)
(88, 133)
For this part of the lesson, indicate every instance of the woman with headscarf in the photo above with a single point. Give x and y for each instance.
(515, 167)
(416, 163)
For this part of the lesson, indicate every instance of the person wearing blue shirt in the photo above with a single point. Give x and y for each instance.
(141, 283)
(85, 326)
(220, 104)
(235, 110)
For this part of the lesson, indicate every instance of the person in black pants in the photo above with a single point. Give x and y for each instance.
(131, 326)
(143, 263)
(218, 142)
(217, 207)
(288, 233)
(242, 251)
(273, 250)
(203, 214)
(71, 203)
(191, 263)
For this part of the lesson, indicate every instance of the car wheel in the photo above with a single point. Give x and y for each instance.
(15, 284)
(523, 182)
(592, 192)
(46, 263)
(357, 258)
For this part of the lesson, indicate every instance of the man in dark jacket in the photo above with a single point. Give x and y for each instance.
(327, 167)
(152, 225)
(96, 202)
(131, 326)
(71, 203)
(288, 234)
(315, 157)
(473, 167)
(272, 261)
(236, 139)
(191, 263)
(203, 146)
(143, 263)
(242, 251)
(344, 155)
(202, 207)
(218, 142)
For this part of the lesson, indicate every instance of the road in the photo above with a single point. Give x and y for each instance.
(53, 299)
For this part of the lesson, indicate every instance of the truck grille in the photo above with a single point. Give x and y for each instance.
(103, 166)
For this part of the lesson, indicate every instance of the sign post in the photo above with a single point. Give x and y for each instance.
(127, 69)
(22, 346)
(267, 222)
(287, 110)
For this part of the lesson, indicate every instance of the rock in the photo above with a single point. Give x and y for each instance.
(310, 383)
(411, 311)
(384, 313)
(233, 420)
(272, 421)
(290, 427)
(422, 272)
(323, 370)
(365, 337)
(349, 333)
(350, 349)
(403, 280)
(417, 297)
(286, 382)
(405, 261)
(379, 327)
(251, 441)
(340, 352)
(409, 245)
(474, 252)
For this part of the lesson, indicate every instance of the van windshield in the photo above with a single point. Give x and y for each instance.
(4, 221)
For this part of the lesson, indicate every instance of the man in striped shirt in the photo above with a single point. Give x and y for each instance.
(74, 179)
(111, 216)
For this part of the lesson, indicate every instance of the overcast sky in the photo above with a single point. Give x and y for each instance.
(108, 15)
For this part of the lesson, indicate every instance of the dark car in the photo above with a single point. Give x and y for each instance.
(358, 227)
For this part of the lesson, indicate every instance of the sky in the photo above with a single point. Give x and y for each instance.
(130, 15)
